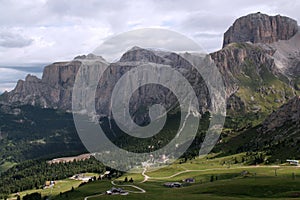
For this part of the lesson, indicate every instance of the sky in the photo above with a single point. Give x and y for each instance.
(34, 33)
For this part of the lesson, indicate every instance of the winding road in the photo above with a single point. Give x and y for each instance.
(133, 186)
(146, 178)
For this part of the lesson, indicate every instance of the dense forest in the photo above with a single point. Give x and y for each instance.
(33, 174)
(28, 132)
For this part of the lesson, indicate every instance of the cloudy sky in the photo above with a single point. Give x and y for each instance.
(36, 32)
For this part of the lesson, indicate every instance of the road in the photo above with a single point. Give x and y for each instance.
(133, 186)
(92, 196)
(146, 177)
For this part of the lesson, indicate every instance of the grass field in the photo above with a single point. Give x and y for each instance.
(214, 180)
(5, 166)
(259, 187)
(60, 186)
(260, 182)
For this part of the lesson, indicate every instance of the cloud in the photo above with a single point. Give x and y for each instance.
(13, 40)
(61, 28)
(114, 47)
(55, 30)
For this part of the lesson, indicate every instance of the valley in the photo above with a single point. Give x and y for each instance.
(213, 179)
(259, 66)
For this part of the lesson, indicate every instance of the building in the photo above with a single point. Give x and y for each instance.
(70, 159)
(49, 184)
(82, 177)
(114, 191)
(189, 180)
(173, 184)
(293, 162)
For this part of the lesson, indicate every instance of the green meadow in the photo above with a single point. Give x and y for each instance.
(215, 178)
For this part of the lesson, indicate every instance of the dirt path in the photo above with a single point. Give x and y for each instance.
(92, 196)
(141, 190)
(146, 177)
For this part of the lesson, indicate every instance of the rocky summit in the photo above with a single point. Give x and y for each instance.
(260, 28)
(259, 71)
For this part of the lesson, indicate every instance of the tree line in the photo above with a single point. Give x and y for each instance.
(33, 174)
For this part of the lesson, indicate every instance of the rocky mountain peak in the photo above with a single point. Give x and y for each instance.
(260, 28)
(31, 78)
(88, 57)
(140, 54)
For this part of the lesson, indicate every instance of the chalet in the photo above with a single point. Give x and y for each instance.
(49, 184)
(173, 184)
(189, 180)
(70, 159)
(293, 162)
(114, 191)
(104, 175)
(82, 177)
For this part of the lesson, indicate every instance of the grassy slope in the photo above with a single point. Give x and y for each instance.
(260, 90)
(60, 186)
(261, 183)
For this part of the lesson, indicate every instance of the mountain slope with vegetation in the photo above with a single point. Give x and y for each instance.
(29, 132)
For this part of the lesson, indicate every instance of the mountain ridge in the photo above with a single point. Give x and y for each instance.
(255, 81)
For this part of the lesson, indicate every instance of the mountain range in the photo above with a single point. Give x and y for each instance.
(259, 64)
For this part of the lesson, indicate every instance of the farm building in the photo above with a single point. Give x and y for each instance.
(189, 180)
(293, 162)
(173, 184)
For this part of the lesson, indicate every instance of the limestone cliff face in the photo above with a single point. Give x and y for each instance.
(252, 73)
(253, 81)
(53, 90)
(151, 93)
(259, 62)
(260, 28)
(234, 59)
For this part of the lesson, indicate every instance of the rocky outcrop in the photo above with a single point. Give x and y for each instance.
(232, 62)
(287, 115)
(149, 94)
(248, 70)
(53, 90)
(280, 132)
(260, 28)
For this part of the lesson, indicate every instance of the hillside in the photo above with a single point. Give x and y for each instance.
(259, 64)
(259, 70)
(29, 132)
(278, 136)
